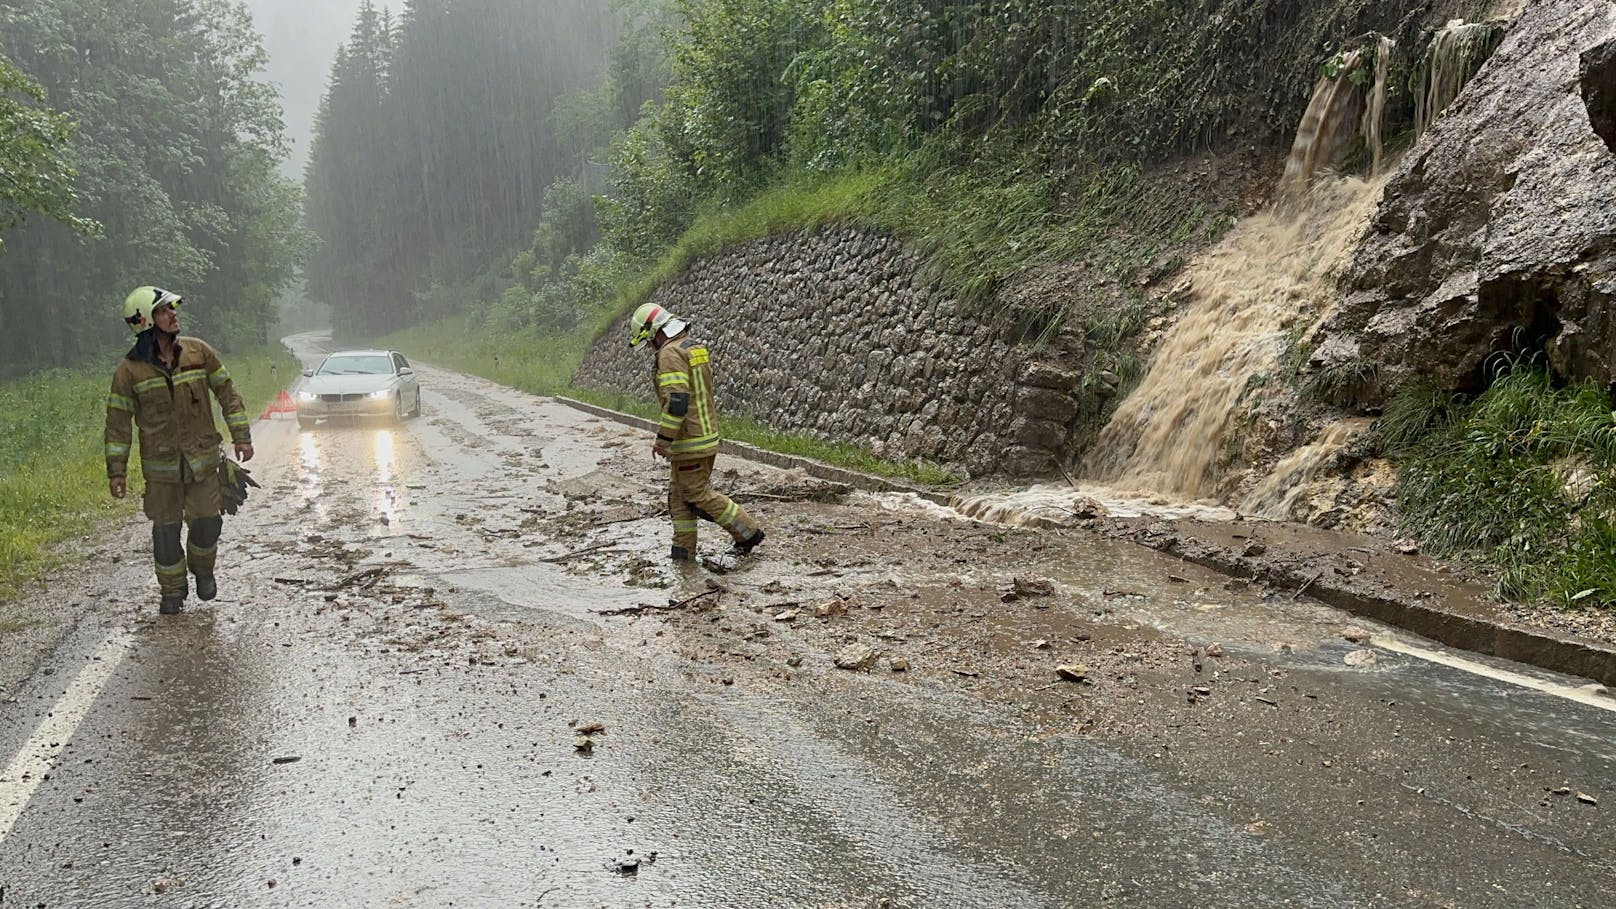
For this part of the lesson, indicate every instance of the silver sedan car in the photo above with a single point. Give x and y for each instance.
(357, 384)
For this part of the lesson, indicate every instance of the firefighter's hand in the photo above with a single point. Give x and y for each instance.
(118, 486)
(244, 452)
(659, 449)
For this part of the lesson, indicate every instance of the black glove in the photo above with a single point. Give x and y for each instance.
(233, 483)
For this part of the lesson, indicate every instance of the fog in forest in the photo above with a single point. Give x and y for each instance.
(301, 38)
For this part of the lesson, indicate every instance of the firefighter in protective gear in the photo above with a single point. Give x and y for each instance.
(688, 434)
(163, 385)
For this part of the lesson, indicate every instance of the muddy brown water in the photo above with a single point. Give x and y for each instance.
(414, 614)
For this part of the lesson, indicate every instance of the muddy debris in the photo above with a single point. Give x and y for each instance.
(1359, 658)
(899, 664)
(857, 657)
(1355, 635)
(595, 728)
(788, 615)
(584, 744)
(1027, 588)
(830, 608)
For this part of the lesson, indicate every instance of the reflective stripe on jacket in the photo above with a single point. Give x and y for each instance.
(682, 368)
(178, 437)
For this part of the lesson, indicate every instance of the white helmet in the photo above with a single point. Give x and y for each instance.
(650, 319)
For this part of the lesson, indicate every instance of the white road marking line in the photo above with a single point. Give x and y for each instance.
(38, 756)
(1591, 695)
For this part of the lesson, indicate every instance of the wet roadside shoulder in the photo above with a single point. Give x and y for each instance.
(1366, 577)
(1374, 579)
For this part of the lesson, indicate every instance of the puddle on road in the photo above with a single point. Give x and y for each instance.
(524, 593)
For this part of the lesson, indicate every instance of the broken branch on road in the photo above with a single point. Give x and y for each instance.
(652, 607)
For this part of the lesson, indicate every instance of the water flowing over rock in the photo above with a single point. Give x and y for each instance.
(1341, 102)
(1498, 230)
(1455, 54)
(1292, 478)
(1270, 281)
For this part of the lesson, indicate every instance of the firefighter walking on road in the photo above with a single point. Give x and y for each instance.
(163, 384)
(688, 434)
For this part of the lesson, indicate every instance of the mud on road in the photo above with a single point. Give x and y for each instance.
(450, 666)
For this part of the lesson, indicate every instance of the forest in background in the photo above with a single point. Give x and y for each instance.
(153, 154)
(997, 135)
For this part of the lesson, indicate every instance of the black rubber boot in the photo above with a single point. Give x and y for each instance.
(679, 554)
(206, 587)
(171, 606)
(745, 547)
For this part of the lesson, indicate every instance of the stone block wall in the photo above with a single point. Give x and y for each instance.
(836, 335)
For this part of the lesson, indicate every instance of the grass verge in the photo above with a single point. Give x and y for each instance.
(1522, 480)
(978, 227)
(52, 476)
(545, 363)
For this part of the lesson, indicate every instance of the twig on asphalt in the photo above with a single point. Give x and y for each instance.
(1310, 582)
(362, 579)
(292, 580)
(578, 552)
(749, 494)
(643, 517)
(651, 607)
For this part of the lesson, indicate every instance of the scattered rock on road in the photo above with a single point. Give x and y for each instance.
(583, 744)
(1073, 672)
(857, 657)
(1024, 588)
(1363, 657)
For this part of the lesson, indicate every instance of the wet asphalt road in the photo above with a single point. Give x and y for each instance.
(382, 707)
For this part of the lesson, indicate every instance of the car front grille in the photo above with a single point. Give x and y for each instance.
(332, 399)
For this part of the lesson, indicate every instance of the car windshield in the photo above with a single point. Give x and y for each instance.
(366, 365)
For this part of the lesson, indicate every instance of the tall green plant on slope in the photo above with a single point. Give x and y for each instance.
(1522, 480)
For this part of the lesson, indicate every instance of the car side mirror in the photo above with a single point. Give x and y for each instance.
(406, 371)
(308, 373)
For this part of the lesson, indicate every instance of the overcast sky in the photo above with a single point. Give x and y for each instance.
(302, 37)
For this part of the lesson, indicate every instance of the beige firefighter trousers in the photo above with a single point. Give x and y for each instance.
(691, 497)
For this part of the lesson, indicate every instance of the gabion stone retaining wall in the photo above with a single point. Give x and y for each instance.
(836, 335)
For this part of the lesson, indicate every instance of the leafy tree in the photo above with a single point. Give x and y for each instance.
(175, 154)
(35, 176)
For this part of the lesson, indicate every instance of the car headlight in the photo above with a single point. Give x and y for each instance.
(307, 396)
(384, 393)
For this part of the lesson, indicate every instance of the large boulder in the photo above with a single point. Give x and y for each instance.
(1498, 231)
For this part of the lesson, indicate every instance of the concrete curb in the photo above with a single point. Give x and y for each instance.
(1549, 650)
(819, 469)
(1566, 654)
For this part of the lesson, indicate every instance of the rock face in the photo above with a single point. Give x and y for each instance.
(1498, 231)
(837, 335)
(1599, 90)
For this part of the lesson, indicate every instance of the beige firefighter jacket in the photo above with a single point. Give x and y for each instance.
(684, 382)
(179, 441)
